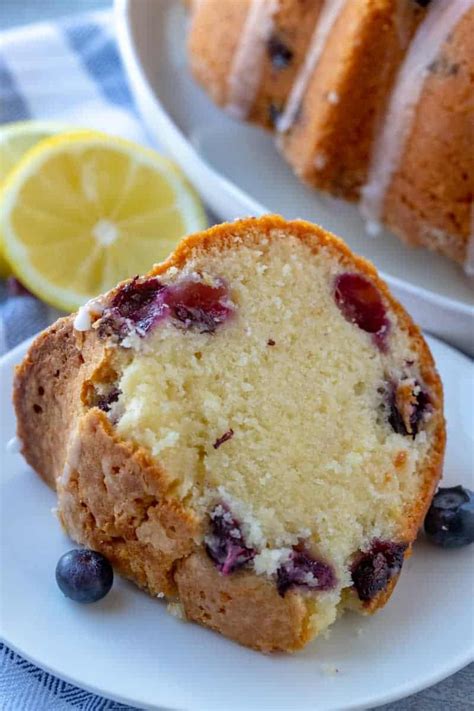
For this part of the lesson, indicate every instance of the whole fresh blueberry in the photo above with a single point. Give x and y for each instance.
(84, 575)
(449, 522)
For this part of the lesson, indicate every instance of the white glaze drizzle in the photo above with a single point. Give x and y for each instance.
(87, 313)
(13, 446)
(469, 262)
(441, 17)
(245, 72)
(324, 24)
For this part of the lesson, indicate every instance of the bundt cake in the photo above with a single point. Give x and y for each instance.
(253, 430)
(370, 100)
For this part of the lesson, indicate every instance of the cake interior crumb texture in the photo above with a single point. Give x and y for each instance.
(253, 430)
(281, 412)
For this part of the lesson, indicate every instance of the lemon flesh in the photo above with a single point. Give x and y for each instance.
(15, 140)
(84, 210)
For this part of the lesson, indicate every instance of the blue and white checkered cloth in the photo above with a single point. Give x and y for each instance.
(71, 71)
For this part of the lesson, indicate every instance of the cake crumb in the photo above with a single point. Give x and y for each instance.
(329, 669)
(132, 341)
(160, 594)
(270, 342)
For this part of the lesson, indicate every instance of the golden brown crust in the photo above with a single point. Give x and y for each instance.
(46, 397)
(331, 142)
(293, 26)
(430, 198)
(114, 498)
(211, 59)
(244, 607)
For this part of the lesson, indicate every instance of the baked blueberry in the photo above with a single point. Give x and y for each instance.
(373, 570)
(280, 54)
(141, 304)
(449, 522)
(196, 305)
(360, 303)
(302, 570)
(84, 575)
(225, 543)
(106, 400)
(408, 403)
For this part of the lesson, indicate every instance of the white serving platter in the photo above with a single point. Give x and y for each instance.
(239, 172)
(127, 647)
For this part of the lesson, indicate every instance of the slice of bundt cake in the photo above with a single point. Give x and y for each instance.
(421, 177)
(256, 52)
(254, 430)
(371, 101)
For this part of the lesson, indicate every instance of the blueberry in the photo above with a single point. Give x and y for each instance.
(141, 304)
(84, 575)
(302, 570)
(138, 302)
(360, 302)
(449, 522)
(374, 569)
(408, 404)
(105, 401)
(280, 54)
(225, 543)
(198, 306)
(274, 113)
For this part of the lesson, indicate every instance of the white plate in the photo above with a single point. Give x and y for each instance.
(239, 172)
(127, 647)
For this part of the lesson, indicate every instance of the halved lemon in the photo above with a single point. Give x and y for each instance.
(84, 210)
(15, 139)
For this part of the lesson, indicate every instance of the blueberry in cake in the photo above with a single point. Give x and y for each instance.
(253, 430)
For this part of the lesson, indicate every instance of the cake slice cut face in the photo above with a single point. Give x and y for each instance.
(254, 429)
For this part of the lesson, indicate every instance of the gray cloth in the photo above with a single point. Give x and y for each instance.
(21, 315)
